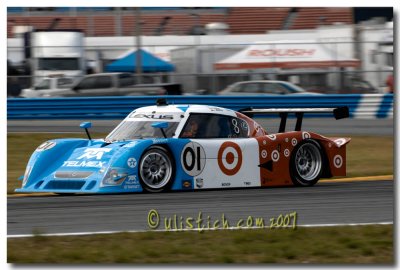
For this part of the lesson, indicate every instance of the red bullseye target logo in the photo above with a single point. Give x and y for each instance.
(230, 158)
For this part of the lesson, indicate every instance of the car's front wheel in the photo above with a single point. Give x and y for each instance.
(306, 163)
(156, 169)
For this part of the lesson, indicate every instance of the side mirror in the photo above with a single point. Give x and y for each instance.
(86, 125)
(161, 125)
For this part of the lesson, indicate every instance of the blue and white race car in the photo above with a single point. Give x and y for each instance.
(185, 147)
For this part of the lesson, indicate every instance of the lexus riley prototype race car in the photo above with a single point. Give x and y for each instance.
(185, 147)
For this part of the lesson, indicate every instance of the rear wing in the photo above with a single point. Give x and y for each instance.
(339, 113)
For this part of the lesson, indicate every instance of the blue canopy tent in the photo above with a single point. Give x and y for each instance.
(150, 63)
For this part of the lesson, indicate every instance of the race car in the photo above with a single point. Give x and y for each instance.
(188, 147)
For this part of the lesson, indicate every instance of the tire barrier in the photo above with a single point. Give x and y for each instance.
(104, 108)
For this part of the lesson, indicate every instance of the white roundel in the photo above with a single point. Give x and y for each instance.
(286, 139)
(338, 161)
(272, 137)
(294, 141)
(264, 153)
(131, 162)
(256, 127)
(264, 142)
(306, 135)
(340, 142)
(275, 155)
(193, 158)
(286, 152)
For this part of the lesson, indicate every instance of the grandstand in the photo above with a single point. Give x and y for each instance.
(107, 21)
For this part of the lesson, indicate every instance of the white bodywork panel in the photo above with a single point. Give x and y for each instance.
(242, 168)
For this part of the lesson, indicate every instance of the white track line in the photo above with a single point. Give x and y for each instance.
(195, 230)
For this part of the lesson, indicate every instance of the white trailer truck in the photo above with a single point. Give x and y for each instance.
(57, 53)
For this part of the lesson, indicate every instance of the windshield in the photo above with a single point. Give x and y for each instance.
(293, 88)
(130, 130)
(58, 64)
(45, 84)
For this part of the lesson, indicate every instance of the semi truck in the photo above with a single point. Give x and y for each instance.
(57, 52)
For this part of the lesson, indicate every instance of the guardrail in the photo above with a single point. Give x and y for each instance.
(361, 106)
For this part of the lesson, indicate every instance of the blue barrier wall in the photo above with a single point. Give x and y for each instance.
(361, 106)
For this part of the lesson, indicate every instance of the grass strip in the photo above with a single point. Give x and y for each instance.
(372, 244)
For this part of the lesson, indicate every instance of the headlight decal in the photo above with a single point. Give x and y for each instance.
(114, 177)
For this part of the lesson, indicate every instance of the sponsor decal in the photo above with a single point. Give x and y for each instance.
(215, 109)
(338, 161)
(131, 182)
(46, 146)
(193, 158)
(154, 116)
(94, 153)
(76, 163)
(160, 141)
(131, 162)
(199, 182)
(187, 184)
(132, 179)
(230, 158)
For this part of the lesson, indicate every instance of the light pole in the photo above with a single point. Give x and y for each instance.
(138, 45)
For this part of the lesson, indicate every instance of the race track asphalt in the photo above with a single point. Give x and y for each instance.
(325, 203)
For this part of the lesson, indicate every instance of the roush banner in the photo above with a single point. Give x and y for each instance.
(286, 54)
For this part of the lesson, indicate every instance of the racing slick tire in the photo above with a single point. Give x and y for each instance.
(306, 163)
(156, 169)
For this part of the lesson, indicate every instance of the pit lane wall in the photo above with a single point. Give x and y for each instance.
(369, 106)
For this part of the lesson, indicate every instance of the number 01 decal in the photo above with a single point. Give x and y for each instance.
(193, 158)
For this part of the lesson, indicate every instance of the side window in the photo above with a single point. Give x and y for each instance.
(251, 88)
(87, 83)
(237, 88)
(214, 126)
(103, 82)
(45, 84)
(126, 81)
(64, 82)
(273, 88)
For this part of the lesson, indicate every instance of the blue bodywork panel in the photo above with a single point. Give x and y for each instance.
(86, 166)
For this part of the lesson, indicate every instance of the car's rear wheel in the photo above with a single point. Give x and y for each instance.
(156, 169)
(306, 163)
